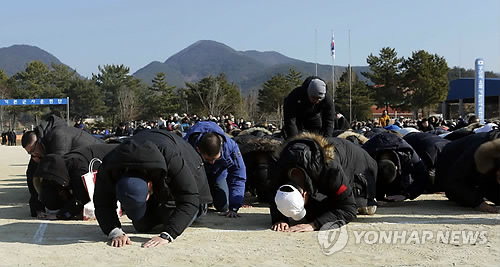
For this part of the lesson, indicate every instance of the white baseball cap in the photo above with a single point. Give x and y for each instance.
(290, 202)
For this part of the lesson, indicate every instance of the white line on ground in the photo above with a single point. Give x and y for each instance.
(222, 230)
(72, 238)
(38, 237)
(455, 221)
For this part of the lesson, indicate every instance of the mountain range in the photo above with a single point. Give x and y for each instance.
(248, 69)
(14, 59)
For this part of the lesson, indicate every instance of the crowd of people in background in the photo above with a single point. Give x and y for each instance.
(179, 124)
(9, 138)
(425, 124)
(310, 118)
(232, 126)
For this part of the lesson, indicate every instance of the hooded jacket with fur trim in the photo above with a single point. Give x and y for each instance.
(180, 176)
(333, 169)
(300, 115)
(356, 138)
(467, 169)
(260, 153)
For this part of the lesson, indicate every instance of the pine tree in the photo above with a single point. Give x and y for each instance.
(385, 75)
(161, 99)
(361, 95)
(426, 79)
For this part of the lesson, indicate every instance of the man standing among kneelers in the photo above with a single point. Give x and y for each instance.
(309, 108)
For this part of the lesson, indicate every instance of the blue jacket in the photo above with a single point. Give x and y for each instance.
(230, 166)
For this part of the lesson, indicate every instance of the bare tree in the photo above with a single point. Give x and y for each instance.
(128, 102)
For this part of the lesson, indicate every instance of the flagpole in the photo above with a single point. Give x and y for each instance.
(316, 50)
(350, 81)
(332, 48)
(459, 56)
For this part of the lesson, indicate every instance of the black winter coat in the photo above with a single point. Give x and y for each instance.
(411, 178)
(260, 154)
(360, 168)
(67, 171)
(326, 179)
(427, 145)
(57, 138)
(300, 115)
(182, 178)
(456, 168)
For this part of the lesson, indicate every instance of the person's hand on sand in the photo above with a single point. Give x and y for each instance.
(305, 227)
(280, 227)
(395, 198)
(41, 215)
(230, 214)
(46, 216)
(155, 242)
(121, 241)
(51, 216)
(485, 207)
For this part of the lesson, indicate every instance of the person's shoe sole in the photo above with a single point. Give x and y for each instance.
(370, 210)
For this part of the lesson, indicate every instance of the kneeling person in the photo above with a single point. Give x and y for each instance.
(58, 181)
(159, 180)
(224, 166)
(317, 182)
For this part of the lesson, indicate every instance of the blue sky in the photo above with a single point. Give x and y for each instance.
(85, 34)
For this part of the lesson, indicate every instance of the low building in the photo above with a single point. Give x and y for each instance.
(460, 100)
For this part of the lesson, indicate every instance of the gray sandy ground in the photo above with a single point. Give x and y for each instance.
(246, 241)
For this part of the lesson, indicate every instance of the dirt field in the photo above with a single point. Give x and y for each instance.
(246, 241)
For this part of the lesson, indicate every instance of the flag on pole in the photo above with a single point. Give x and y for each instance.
(332, 46)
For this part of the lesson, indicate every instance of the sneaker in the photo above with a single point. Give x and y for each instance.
(369, 210)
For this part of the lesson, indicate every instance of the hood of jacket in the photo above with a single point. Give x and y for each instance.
(309, 152)
(204, 127)
(353, 137)
(250, 143)
(487, 156)
(53, 168)
(386, 141)
(401, 151)
(256, 131)
(45, 128)
(131, 154)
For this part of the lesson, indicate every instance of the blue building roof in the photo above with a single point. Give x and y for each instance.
(464, 88)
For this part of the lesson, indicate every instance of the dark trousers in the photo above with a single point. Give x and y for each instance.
(35, 204)
(156, 214)
(220, 193)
